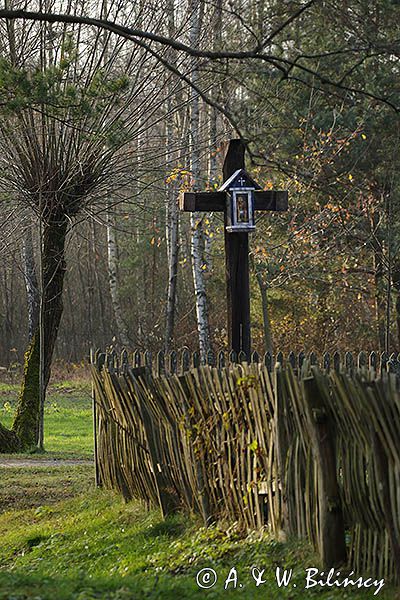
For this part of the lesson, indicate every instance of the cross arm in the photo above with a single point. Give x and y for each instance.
(203, 201)
(274, 200)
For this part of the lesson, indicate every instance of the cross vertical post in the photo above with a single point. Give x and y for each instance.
(238, 198)
(237, 265)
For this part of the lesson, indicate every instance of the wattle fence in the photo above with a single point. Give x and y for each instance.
(307, 450)
(178, 362)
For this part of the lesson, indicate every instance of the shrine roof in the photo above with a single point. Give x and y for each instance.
(240, 178)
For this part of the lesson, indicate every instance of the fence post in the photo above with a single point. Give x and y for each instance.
(332, 544)
(173, 363)
(242, 357)
(349, 362)
(362, 360)
(211, 361)
(94, 360)
(185, 360)
(232, 357)
(291, 359)
(281, 442)
(268, 361)
(336, 362)
(382, 467)
(160, 364)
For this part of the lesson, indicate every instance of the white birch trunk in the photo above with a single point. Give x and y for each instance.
(197, 237)
(172, 213)
(213, 128)
(112, 263)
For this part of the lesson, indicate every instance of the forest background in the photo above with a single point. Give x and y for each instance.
(320, 113)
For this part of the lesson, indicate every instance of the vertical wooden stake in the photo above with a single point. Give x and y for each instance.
(281, 445)
(382, 467)
(331, 521)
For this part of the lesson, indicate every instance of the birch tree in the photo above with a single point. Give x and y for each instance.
(197, 234)
(172, 213)
(113, 279)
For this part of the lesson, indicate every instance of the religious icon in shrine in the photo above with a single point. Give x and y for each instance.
(242, 207)
(240, 189)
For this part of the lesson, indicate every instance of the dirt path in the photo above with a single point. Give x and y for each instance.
(30, 482)
(42, 462)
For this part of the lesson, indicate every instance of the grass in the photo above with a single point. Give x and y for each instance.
(61, 539)
(68, 417)
(94, 546)
(31, 487)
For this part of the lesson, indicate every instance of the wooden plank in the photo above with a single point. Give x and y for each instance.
(237, 265)
(202, 201)
(273, 200)
(282, 442)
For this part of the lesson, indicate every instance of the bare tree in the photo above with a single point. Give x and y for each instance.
(65, 141)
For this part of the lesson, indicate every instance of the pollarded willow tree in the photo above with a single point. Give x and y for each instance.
(73, 101)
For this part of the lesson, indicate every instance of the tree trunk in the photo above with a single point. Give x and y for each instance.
(24, 434)
(197, 237)
(172, 213)
(378, 265)
(199, 285)
(173, 256)
(213, 124)
(26, 422)
(31, 283)
(380, 300)
(212, 181)
(396, 286)
(100, 323)
(112, 254)
(266, 322)
(9, 442)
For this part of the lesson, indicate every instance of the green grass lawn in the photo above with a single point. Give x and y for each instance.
(61, 539)
(94, 546)
(68, 417)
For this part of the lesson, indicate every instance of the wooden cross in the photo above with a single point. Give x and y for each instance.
(236, 244)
